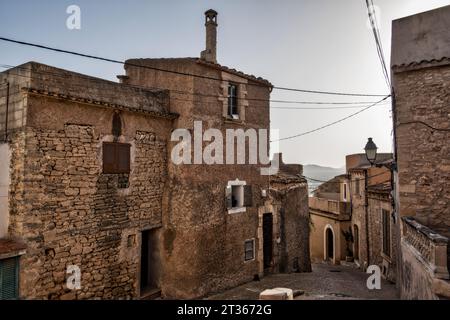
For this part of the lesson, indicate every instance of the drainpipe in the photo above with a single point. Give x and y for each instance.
(366, 206)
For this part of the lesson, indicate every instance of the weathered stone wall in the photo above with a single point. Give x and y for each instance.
(290, 202)
(359, 219)
(204, 244)
(423, 164)
(69, 212)
(378, 202)
(417, 280)
(423, 153)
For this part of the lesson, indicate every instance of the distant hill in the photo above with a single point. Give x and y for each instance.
(320, 173)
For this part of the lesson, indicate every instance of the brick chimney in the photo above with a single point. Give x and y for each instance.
(209, 54)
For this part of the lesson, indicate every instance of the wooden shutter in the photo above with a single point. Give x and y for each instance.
(116, 157)
(123, 158)
(109, 156)
(248, 196)
(9, 278)
(228, 201)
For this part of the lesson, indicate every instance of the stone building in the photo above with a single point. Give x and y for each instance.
(330, 215)
(372, 222)
(351, 217)
(420, 66)
(88, 181)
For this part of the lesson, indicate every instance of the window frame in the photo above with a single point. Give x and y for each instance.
(233, 101)
(246, 196)
(253, 251)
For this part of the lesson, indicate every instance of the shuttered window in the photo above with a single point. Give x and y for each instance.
(9, 278)
(116, 157)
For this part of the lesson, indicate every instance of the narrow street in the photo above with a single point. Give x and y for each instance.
(326, 282)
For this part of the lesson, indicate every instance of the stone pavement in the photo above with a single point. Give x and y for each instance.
(326, 282)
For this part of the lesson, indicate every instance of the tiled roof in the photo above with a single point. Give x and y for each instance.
(380, 188)
(154, 113)
(202, 62)
(422, 63)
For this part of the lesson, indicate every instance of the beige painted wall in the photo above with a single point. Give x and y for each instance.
(317, 237)
(5, 156)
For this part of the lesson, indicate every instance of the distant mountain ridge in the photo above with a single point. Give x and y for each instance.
(321, 173)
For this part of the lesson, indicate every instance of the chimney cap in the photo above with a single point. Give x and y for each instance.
(211, 12)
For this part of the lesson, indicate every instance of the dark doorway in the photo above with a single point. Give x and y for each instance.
(150, 261)
(267, 239)
(330, 245)
(356, 242)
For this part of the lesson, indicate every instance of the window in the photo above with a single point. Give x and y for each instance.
(116, 157)
(232, 101)
(239, 196)
(9, 278)
(249, 250)
(357, 182)
(386, 232)
(344, 192)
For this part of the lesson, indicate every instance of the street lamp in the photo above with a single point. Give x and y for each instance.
(371, 151)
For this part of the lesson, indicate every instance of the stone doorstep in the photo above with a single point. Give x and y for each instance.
(277, 294)
(441, 288)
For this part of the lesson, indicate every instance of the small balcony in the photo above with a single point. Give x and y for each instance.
(329, 206)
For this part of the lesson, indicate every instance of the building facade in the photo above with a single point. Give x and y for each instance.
(421, 78)
(352, 219)
(89, 183)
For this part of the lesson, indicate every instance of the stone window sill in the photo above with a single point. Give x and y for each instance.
(237, 210)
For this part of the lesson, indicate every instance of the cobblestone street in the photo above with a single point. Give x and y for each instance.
(326, 282)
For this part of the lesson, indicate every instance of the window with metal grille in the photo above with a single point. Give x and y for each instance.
(9, 278)
(116, 157)
(249, 250)
(386, 232)
(232, 101)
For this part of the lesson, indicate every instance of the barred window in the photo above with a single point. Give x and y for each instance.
(249, 250)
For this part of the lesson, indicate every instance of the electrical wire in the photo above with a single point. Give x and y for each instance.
(424, 124)
(191, 93)
(377, 37)
(332, 123)
(179, 72)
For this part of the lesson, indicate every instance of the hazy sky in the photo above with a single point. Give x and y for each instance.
(308, 44)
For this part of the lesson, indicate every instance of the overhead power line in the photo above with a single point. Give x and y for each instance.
(332, 123)
(179, 72)
(377, 37)
(89, 78)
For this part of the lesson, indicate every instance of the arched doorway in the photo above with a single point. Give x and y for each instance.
(356, 242)
(329, 240)
(330, 245)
